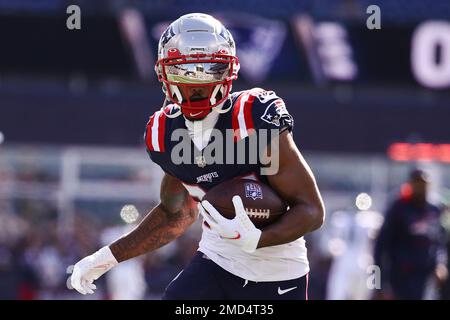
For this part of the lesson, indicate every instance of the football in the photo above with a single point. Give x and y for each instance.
(262, 204)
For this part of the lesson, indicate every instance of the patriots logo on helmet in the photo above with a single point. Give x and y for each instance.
(224, 33)
(274, 112)
(168, 34)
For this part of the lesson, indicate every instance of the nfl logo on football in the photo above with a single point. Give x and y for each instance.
(253, 190)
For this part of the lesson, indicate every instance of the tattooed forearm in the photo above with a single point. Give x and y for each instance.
(167, 221)
(173, 194)
(156, 230)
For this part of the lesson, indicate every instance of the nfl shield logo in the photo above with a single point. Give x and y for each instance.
(201, 161)
(253, 190)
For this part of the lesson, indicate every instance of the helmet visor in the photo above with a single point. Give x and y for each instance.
(197, 73)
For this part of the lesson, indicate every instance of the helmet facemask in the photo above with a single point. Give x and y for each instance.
(197, 82)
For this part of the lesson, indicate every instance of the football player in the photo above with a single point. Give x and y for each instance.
(197, 64)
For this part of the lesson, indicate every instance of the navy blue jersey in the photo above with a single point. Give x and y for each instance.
(246, 117)
(250, 111)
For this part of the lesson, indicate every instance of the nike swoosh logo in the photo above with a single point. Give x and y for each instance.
(280, 292)
(237, 236)
(195, 114)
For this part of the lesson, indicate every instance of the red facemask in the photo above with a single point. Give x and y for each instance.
(182, 74)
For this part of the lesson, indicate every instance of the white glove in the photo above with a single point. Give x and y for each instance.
(91, 268)
(240, 230)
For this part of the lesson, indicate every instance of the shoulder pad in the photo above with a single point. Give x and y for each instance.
(259, 109)
(155, 130)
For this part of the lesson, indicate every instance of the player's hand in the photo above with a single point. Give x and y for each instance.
(91, 268)
(240, 230)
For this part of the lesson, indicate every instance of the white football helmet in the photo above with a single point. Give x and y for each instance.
(195, 51)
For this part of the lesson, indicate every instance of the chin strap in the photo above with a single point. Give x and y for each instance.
(213, 99)
(218, 108)
(176, 93)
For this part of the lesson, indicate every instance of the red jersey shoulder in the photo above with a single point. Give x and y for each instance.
(258, 108)
(156, 129)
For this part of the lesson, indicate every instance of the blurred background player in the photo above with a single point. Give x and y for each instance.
(410, 248)
(351, 235)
